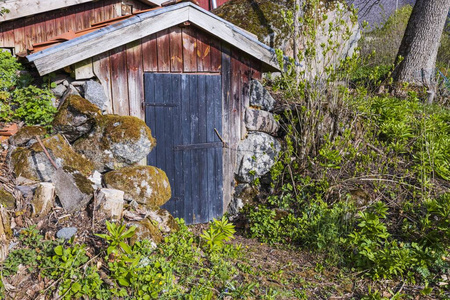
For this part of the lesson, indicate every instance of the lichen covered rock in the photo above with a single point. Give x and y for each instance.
(256, 155)
(33, 164)
(162, 218)
(7, 199)
(146, 230)
(260, 97)
(26, 136)
(116, 141)
(75, 117)
(144, 184)
(260, 120)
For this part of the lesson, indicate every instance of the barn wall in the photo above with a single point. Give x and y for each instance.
(24, 32)
(182, 50)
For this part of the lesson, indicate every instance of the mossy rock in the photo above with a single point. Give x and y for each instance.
(147, 230)
(76, 117)
(144, 184)
(263, 18)
(7, 199)
(116, 142)
(32, 163)
(27, 135)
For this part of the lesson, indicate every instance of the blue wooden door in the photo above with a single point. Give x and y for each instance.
(184, 112)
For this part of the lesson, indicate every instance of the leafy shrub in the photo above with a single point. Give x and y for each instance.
(18, 99)
(34, 105)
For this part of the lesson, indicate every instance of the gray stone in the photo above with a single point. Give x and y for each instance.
(260, 97)
(96, 179)
(75, 117)
(26, 136)
(166, 222)
(66, 233)
(32, 163)
(74, 190)
(116, 142)
(260, 120)
(94, 92)
(59, 90)
(145, 184)
(255, 156)
(244, 194)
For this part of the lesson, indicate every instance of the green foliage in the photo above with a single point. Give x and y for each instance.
(9, 71)
(18, 99)
(34, 105)
(362, 175)
(219, 231)
(374, 47)
(117, 234)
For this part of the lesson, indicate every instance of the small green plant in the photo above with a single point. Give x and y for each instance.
(116, 238)
(219, 231)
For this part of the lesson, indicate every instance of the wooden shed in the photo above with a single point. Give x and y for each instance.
(34, 21)
(185, 72)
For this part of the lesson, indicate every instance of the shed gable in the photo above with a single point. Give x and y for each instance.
(146, 24)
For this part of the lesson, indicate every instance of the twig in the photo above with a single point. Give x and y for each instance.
(45, 151)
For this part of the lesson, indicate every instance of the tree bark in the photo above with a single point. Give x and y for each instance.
(420, 43)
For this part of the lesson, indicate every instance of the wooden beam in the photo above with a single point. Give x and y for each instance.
(84, 69)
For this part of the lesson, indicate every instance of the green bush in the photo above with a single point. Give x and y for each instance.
(18, 99)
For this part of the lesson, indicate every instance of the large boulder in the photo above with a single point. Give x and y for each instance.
(33, 164)
(144, 184)
(256, 155)
(260, 120)
(116, 142)
(75, 117)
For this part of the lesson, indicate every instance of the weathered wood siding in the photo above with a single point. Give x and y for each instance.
(182, 50)
(24, 32)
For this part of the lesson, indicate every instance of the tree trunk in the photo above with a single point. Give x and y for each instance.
(420, 43)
